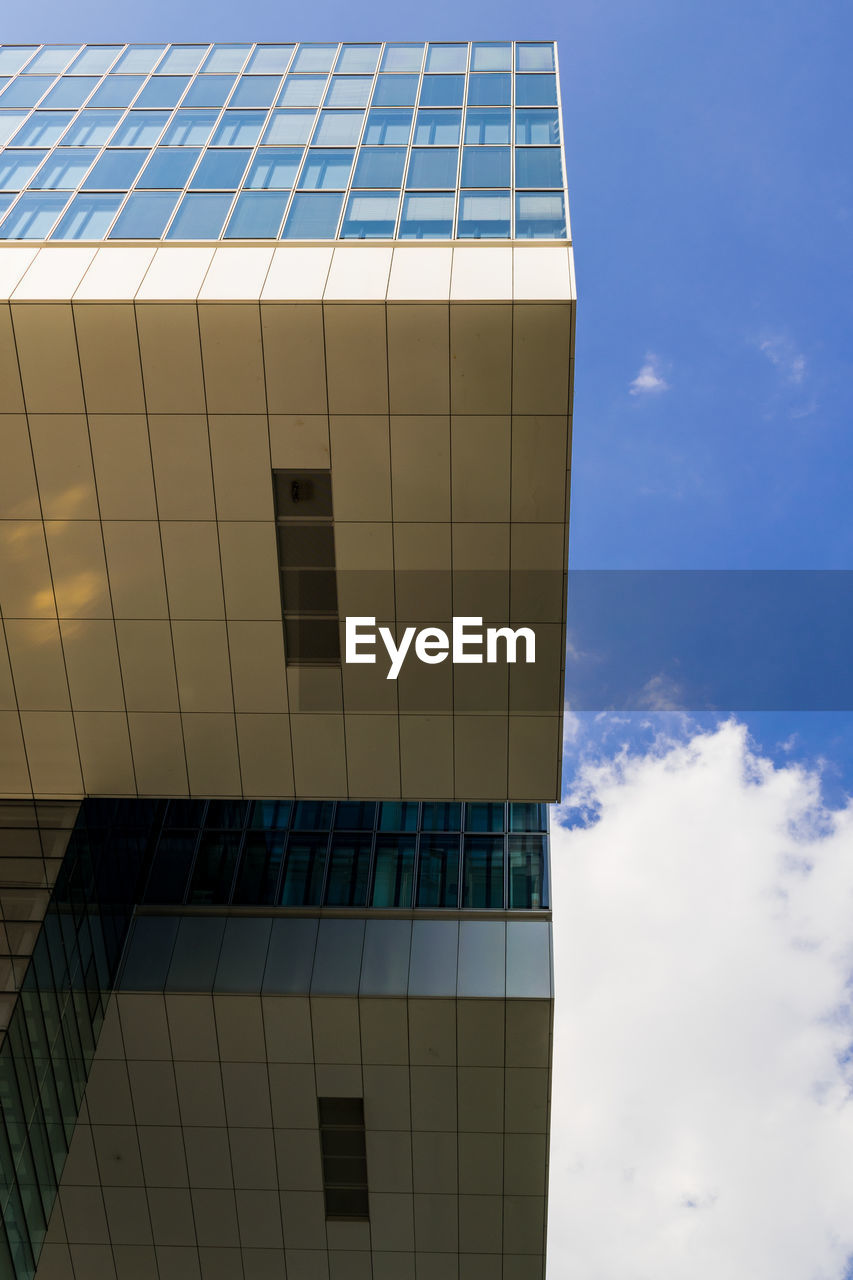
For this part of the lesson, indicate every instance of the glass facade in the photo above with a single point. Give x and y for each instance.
(352, 141)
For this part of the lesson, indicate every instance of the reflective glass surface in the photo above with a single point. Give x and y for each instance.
(115, 171)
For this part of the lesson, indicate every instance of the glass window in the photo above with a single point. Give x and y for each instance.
(117, 91)
(52, 59)
(43, 129)
(200, 217)
(70, 91)
(270, 59)
(438, 871)
(274, 168)
(536, 91)
(380, 167)
(427, 217)
(313, 815)
(171, 869)
(257, 876)
(348, 91)
(485, 167)
(534, 57)
(91, 128)
(26, 91)
(226, 57)
(434, 168)
(491, 57)
(139, 57)
(355, 58)
(189, 127)
(489, 90)
(314, 57)
(395, 91)
(145, 215)
(527, 890)
(447, 57)
(442, 91)
(226, 813)
(388, 128)
(213, 872)
(337, 129)
(169, 167)
(33, 216)
(484, 216)
(538, 167)
(209, 91)
(95, 60)
(483, 878)
(398, 815)
(289, 127)
(140, 128)
(437, 128)
(537, 128)
(13, 57)
(302, 91)
(17, 167)
(255, 91)
(257, 215)
(303, 871)
(9, 121)
(162, 91)
(238, 129)
(182, 59)
(115, 171)
(540, 216)
(393, 872)
(221, 170)
(403, 57)
(65, 169)
(326, 171)
(271, 813)
(349, 864)
(313, 217)
(88, 218)
(370, 217)
(484, 817)
(442, 815)
(528, 817)
(486, 127)
(355, 815)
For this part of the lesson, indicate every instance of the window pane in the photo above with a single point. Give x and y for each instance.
(26, 91)
(483, 882)
(538, 167)
(433, 168)
(226, 57)
(527, 872)
(117, 91)
(388, 128)
(257, 215)
(302, 91)
(484, 817)
(348, 91)
(442, 91)
(485, 167)
(70, 91)
(182, 59)
(65, 169)
(213, 872)
(438, 871)
(534, 57)
(52, 59)
(209, 91)
(92, 128)
(437, 128)
(87, 218)
(447, 57)
(257, 876)
(17, 167)
(337, 129)
(274, 168)
(171, 869)
(162, 91)
(326, 171)
(395, 91)
(484, 126)
(398, 815)
(355, 58)
(313, 217)
(427, 218)
(227, 813)
(289, 127)
(270, 58)
(139, 57)
(489, 90)
(95, 60)
(537, 128)
(255, 91)
(115, 171)
(43, 129)
(491, 57)
(355, 815)
(13, 57)
(221, 170)
(403, 57)
(33, 216)
(140, 129)
(144, 216)
(349, 864)
(536, 91)
(169, 167)
(380, 167)
(9, 121)
(393, 872)
(315, 57)
(484, 216)
(304, 865)
(189, 128)
(239, 129)
(312, 815)
(200, 217)
(540, 216)
(271, 813)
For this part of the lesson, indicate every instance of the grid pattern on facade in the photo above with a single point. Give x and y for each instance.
(301, 142)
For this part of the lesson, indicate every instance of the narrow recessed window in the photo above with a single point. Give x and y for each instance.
(344, 1157)
(306, 558)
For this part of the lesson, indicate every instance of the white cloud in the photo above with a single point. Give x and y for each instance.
(649, 379)
(784, 356)
(702, 1116)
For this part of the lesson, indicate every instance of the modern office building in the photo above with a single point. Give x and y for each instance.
(286, 357)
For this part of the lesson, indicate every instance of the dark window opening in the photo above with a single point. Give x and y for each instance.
(344, 1158)
(306, 558)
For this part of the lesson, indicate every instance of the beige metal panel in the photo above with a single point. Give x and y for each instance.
(480, 453)
(193, 572)
(47, 356)
(373, 755)
(18, 493)
(537, 546)
(257, 666)
(436, 1217)
(8, 701)
(358, 274)
(104, 743)
(109, 357)
(233, 357)
(266, 763)
(319, 755)
(480, 358)
(541, 273)
(14, 772)
(481, 1099)
(212, 761)
(240, 449)
(356, 357)
(479, 547)
(480, 1222)
(481, 1163)
(122, 458)
(180, 449)
(392, 1223)
(287, 1027)
(365, 560)
(63, 460)
(527, 1099)
(26, 590)
(294, 357)
(314, 689)
(418, 367)
(201, 662)
(114, 274)
(334, 1023)
(539, 459)
(426, 757)
(147, 665)
(175, 274)
(387, 1098)
(480, 763)
(76, 551)
(481, 274)
(54, 273)
(423, 580)
(11, 395)
(35, 654)
(540, 357)
(528, 1033)
(158, 754)
(420, 274)
(361, 467)
(534, 757)
(14, 262)
(170, 347)
(420, 467)
(135, 568)
(237, 273)
(299, 441)
(250, 570)
(297, 274)
(524, 1225)
(480, 1032)
(91, 661)
(52, 752)
(384, 1039)
(432, 1042)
